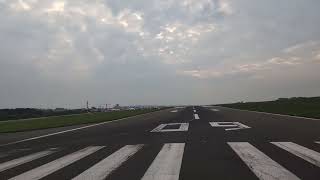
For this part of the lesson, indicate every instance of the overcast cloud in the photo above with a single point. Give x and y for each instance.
(60, 53)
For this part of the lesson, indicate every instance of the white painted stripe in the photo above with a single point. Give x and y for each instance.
(55, 165)
(75, 129)
(300, 151)
(22, 160)
(274, 114)
(196, 116)
(318, 142)
(194, 110)
(260, 164)
(215, 110)
(105, 167)
(174, 111)
(167, 164)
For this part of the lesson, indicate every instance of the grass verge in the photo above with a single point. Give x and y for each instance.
(304, 107)
(60, 121)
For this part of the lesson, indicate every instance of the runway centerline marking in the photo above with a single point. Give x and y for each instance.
(196, 116)
(105, 167)
(167, 164)
(260, 164)
(307, 154)
(55, 165)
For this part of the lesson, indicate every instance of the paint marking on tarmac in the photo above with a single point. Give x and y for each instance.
(174, 111)
(55, 165)
(106, 166)
(307, 154)
(167, 164)
(69, 130)
(260, 164)
(232, 125)
(194, 111)
(215, 110)
(318, 142)
(22, 160)
(196, 116)
(161, 127)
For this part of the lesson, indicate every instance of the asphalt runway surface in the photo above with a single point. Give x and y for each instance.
(189, 143)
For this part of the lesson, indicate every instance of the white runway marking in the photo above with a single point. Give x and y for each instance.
(22, 160)
(196, 116)
(161, 127)
(215, 110)
(318, 142)
(105, 167)
(174, 111)
(55, 165)
(194, 111)
(260, 164)
(300, 151)
(167, 164)
(232, 125)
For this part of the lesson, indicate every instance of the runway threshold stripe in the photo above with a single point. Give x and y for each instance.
(260, 164)
(300, 151)
(196, 116)
(105, 167)
(22, 160)
(55, 165)
(167, 164)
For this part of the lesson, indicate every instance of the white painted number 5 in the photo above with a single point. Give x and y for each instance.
(231, 125)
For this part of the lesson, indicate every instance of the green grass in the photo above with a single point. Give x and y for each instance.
(59, 121)
(304, 107)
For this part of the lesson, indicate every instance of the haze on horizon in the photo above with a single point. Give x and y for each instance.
(60, 53)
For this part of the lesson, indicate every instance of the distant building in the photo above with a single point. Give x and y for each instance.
(59, 109)
(117, 106)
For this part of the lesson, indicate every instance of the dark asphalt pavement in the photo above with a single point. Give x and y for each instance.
(202, 143)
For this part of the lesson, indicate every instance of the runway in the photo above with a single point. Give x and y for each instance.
(187, 143)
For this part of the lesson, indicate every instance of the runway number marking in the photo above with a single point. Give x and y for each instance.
(168, 127)
(231, 125)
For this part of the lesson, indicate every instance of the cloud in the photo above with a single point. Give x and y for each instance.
(301, 46)
(225, 7)
(252, 68)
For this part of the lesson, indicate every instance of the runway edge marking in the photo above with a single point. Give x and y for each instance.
(283, 115)
(75, 129)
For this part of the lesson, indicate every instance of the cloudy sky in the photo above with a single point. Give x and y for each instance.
(60, 53)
